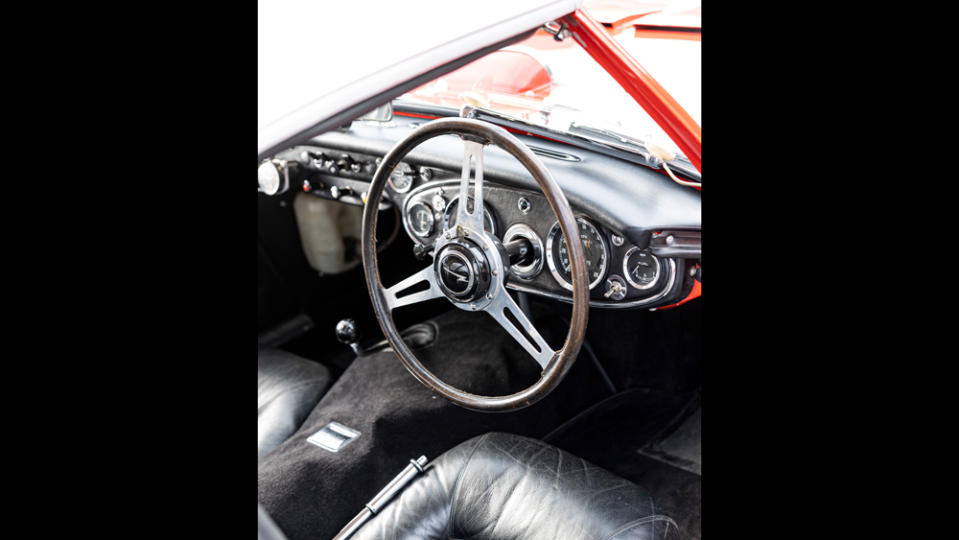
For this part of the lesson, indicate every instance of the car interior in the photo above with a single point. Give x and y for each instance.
(611, 447)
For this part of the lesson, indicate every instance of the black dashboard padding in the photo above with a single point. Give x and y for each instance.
(500, 486)
(622, 195)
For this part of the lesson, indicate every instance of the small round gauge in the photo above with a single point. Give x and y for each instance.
(641, 268)
(401, 180)
(449, 217)
(420, 219)
(597, 254)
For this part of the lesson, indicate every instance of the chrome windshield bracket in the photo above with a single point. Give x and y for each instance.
(559, 31)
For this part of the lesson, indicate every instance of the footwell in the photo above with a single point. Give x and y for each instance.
(312, 493)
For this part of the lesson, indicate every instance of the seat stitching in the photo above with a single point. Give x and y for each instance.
(641, 521)
(456, 484)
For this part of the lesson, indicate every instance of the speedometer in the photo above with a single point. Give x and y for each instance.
(594, 245)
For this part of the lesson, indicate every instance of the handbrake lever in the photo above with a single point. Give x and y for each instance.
(381, 499)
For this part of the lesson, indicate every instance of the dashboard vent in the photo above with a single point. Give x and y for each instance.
(553, 154)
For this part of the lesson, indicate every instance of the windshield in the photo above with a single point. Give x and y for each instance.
(555, 84)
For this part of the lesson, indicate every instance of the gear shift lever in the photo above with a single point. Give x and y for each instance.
(349, 334)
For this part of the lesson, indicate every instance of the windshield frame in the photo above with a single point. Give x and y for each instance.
(480, 89)
(648, 93)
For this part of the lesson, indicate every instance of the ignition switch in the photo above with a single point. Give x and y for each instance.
(615, 288)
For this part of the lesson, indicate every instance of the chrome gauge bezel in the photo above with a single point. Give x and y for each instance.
(401, 169)
(553, 268)
(412, 226)
(629, 279)
(531, 270)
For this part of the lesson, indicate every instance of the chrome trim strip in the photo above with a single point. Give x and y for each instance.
(555, 154)
(612, 305)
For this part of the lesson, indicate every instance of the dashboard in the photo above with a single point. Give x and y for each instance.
(628, 266)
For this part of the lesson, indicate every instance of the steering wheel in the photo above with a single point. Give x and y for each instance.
(471, 266)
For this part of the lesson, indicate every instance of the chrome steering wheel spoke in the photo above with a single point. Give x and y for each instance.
(470, 266)
(395, 296)
(508, 314)
(472, 156)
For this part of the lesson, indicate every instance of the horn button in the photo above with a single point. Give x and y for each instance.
(462, 271)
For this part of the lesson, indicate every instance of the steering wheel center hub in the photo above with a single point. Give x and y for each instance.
(471, 266)
(462, 271)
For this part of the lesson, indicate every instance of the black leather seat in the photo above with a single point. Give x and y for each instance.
(501, 486)
(288, 387)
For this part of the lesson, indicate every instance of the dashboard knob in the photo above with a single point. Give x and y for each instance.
(312, 159)
(273, 177)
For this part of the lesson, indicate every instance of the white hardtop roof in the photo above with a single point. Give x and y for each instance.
(319, 58)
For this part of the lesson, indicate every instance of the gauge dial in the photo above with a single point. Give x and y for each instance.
(401, 180)
(594, 245)
(641, 268)
(420, 219)
(449, 217)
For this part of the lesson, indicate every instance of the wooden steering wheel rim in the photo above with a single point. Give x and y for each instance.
(562, 361)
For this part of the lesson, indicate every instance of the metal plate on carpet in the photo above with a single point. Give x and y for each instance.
(333, 437)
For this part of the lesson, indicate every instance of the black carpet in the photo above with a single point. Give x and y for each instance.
(620, 434)
(312, 493)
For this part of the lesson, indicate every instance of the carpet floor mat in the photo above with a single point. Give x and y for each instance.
(312, 493)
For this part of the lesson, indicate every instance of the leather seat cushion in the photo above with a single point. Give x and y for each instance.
(501, 486)
(288, 387)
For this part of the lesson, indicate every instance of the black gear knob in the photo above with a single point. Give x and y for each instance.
(348, 334)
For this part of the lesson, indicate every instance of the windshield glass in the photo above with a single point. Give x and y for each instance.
(554, 84)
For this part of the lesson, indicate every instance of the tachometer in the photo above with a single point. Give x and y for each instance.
(597, 254)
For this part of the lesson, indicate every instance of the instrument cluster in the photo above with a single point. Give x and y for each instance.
(620, 274)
